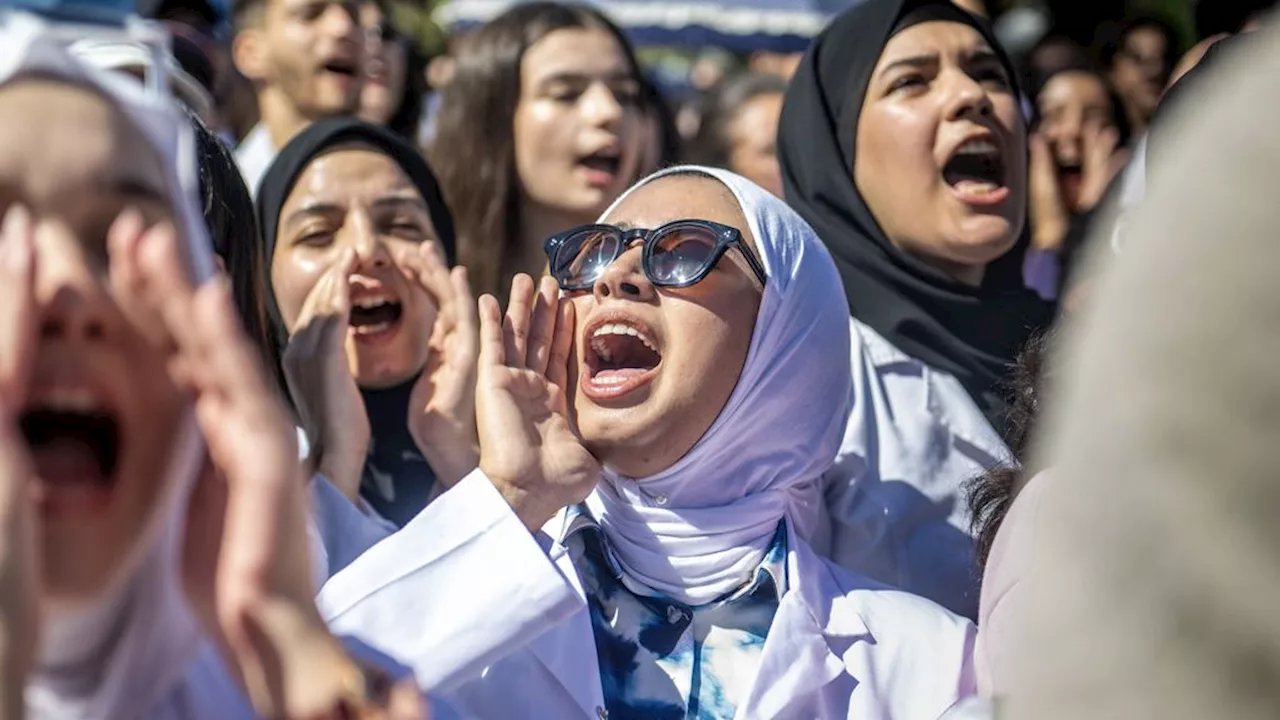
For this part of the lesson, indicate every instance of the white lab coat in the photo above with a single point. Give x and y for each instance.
(896, 511)
(497, 635)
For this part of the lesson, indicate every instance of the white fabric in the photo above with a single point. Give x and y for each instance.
(126, 56)
(255, 155)
(127, 653)
(895, 503)
(454, 590)
(761, 460)
(839, 647)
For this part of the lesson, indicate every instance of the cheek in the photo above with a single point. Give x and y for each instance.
(293, 275)
(895, 151)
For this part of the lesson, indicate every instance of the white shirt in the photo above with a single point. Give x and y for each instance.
(254, 155)
(896, 508)
(839, 646)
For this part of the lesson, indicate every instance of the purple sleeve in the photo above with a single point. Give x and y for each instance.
(1041, 270)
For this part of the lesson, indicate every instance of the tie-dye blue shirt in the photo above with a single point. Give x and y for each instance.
(663, 660)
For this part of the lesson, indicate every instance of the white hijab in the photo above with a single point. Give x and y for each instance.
(699, 529)
(120, 655)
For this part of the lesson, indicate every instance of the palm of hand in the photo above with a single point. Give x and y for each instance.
(523, 418)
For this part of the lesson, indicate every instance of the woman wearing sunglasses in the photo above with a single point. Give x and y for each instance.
(687, 360)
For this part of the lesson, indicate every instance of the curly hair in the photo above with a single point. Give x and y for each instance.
(991, 494)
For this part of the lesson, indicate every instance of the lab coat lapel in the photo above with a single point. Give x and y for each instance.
(569, 649)
(807, 641)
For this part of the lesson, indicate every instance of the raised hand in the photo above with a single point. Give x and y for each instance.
(442, 408)
(528, 447)
(324, 393)
(19, 553)
(247, 524)
(1101, 163)
(1049, 216)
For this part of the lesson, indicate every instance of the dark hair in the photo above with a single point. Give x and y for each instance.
(233, 231)
(991, 494)
(408, 117)
(658, 110)
(713, 146)
(473, 152)
(1112, 39)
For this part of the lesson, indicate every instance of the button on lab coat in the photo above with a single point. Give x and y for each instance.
(840, 646)
(896, 511)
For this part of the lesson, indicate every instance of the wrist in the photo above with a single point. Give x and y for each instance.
(532, 512)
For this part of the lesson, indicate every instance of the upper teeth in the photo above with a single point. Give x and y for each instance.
(370, 302)
(77, 400)
(977, 147)
(620, 329)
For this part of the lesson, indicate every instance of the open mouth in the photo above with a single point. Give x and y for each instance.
(374, 316)
(603, 166)
(341, 66)
(976, 170)
(75, 442)
(621, 357)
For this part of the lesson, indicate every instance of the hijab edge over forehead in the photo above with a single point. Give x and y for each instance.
(971, 333)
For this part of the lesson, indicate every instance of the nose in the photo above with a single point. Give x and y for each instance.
(371, 250)
(624, 278)
(600, 106)
(966, 98)
(70, 294)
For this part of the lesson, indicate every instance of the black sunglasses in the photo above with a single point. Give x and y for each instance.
(676, 255)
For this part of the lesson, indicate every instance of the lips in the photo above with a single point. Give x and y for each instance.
(603, 166)
(341, 66)
(622, 355)
(76, 444)
(976, 171)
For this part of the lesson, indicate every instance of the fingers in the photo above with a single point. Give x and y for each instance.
(492, 346)
(543, 327)
(562, 345)
(426, 266)
(466, 321)
(19, 316)
(516, 325)
(331, 295)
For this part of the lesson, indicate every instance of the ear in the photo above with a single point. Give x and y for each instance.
(249, 52)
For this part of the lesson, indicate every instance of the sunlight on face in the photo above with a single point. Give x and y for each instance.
(700, 335)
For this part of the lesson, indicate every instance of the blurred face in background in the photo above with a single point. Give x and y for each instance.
(753, 141)
(579, 128)
(942, 149)
(101, 414)
(1068, 104)
(310, 51)
(386, 58)
(1140, 70)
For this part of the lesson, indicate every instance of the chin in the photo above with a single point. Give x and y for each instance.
(981, 240)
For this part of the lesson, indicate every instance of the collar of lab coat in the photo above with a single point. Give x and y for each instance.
(817, 621)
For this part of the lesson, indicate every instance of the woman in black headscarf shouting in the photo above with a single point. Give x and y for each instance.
(903, 143)
(380, 337)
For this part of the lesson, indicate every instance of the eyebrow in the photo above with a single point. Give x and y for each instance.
(624, 226)
(570, 77)
(396, 202)
(312, 208)
(133, 188)
(980, 55)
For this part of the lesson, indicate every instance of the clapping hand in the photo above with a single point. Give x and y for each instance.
(528, 447)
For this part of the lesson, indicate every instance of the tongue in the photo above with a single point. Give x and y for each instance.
(68, 462)
(619, 375)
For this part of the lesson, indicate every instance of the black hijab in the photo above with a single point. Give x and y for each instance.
(971, 333)
(397, 479)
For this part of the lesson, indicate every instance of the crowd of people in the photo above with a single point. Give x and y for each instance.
(336, 383)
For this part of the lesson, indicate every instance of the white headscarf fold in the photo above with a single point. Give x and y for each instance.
(119, 656)
(698, 530)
